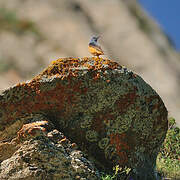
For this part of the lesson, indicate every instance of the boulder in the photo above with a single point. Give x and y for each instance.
(111, 113)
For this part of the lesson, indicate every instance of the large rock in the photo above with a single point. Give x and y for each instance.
(110, 112)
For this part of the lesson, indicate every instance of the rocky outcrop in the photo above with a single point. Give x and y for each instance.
(41, 152)
(111, 113)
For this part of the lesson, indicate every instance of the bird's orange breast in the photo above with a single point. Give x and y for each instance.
(95, 51)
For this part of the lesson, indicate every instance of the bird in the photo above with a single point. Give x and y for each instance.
(94, 47)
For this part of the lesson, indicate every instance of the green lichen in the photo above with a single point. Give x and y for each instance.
(87, 121)
(121, 125)
(103, 143)
(110, 151)
(92, 136)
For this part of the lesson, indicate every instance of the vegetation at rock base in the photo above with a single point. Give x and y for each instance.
(168, 160)
(122, 173)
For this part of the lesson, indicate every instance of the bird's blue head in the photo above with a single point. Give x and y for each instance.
(94, 39)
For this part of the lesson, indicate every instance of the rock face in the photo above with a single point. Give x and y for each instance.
(39, 154)
(111, 113)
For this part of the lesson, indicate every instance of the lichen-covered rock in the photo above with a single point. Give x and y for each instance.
(45, 155)
(110, 112)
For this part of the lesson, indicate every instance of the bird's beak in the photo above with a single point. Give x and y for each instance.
(98, 37)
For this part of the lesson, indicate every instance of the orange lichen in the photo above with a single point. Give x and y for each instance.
(73, 145)
(119, 141)
(59, 68)
(29, 129)
(45, 100)
(100, 120)
(124, 102)
(97, 76)
(63, 140)
(64, 65)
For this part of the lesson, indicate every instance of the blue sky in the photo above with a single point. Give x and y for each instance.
(167, 14)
